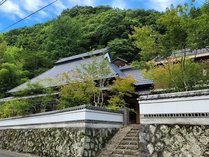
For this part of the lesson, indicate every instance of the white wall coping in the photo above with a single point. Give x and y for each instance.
(194, 93)
(65, 118)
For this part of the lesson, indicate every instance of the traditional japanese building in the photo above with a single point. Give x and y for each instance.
(118, 68)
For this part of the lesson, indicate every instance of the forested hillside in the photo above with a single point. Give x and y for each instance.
(27, 52)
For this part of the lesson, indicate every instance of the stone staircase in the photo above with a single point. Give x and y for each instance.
(124, 144)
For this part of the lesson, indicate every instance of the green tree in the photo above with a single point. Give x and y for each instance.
(120, 88)
(3, 48)
(76, 93)
(14, 108)
(173, 78)
(39, 103)
(154, 45)
(87, 84)
(99, 71)
(197, 31)
(148, 41)
(36, 63)
(10, 76)
(65, 37)
(123, 48)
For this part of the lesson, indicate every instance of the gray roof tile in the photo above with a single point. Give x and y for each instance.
(55, 76)
(137, 75)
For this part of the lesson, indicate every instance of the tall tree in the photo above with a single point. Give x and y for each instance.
(172, 46)
(123, 48)
(65, 37)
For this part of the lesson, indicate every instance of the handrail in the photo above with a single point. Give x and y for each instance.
(129, 143)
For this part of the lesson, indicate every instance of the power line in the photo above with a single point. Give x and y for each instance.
(28, 16)
(2, 2)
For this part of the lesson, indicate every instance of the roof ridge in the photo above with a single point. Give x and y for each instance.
(81, 56)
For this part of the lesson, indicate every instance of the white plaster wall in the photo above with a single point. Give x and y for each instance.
(103, 116)
(64, 117)
(197, 104)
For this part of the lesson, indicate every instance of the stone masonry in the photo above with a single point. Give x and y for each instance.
(174, 140)
(56, 142)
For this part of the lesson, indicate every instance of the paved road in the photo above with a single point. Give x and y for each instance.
(4, 153)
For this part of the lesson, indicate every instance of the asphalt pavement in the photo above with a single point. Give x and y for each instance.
(4, 153)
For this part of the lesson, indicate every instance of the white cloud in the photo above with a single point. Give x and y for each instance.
(22, 8)
(59, 6)
(161, 5)
(32, 5)
(88, 2)
(74, 2)
(43, 14)
(12, 8)
(119, 4)
(81, 2)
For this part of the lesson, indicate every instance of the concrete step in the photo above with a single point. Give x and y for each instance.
(126, 152)
(131, 147)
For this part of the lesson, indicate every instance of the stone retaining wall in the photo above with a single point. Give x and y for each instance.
(56, 142)
(161, 140)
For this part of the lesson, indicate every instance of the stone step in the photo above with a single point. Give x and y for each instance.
(115, 142)
(126, 142)
(132, 134)
(131, 147)
(131, 138)
(121, 155)
(126, 152)
(134, 130)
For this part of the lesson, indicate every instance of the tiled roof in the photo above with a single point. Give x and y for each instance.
(137, 75)
(67, 66)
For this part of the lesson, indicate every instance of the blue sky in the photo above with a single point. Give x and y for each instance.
(13, 10)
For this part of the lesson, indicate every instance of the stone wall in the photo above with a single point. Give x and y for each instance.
(174, 140)
(56, 142)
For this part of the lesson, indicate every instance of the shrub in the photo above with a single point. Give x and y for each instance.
(120, 88)
(181, 77)
(76, 93)
(14, 108)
